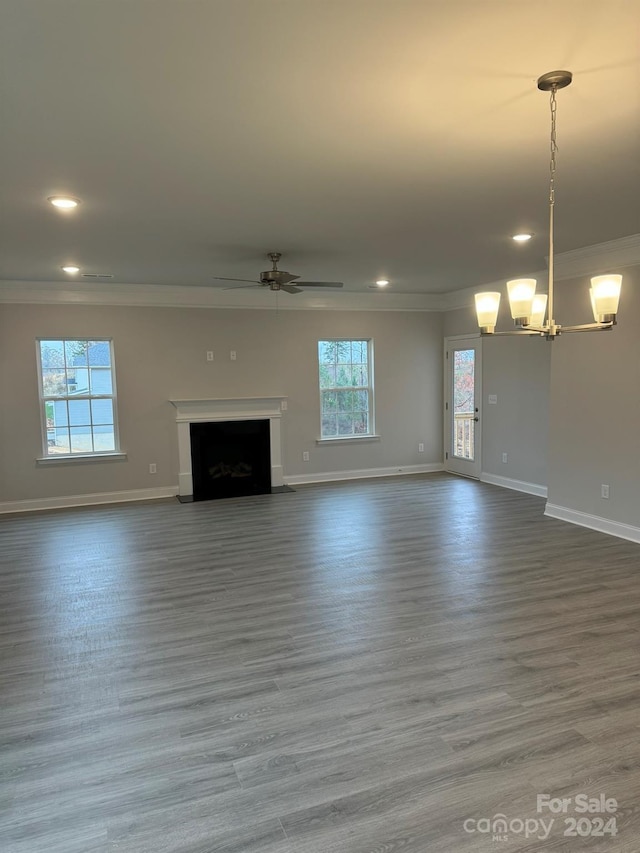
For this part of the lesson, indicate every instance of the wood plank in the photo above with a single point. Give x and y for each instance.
(352, 667)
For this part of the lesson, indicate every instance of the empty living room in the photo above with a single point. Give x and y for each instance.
(320, 463)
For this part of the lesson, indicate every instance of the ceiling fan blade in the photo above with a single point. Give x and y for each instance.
(242, 287)
(225, 278)
(320, 283)
(290, 289)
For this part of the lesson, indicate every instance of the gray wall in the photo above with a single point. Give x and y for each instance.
(574, 403)
(595, 407)
(160, 355)
(517, 371)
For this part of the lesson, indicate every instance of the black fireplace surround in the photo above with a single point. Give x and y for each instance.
(230, 459)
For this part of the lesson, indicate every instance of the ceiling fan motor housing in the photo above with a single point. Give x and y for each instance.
(277, 278)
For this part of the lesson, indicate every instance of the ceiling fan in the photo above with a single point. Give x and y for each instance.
(276, 279)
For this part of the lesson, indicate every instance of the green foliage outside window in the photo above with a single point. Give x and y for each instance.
(345, 388)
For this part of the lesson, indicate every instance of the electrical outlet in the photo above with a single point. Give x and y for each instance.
(305, 456)
(505, 457)
(604, 491)
(232, 355)
(421, 447)
(209, 355)
(152, 468)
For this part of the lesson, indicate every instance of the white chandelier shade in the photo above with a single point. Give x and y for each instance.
(521, 293)
(605, 296)
(487, 307)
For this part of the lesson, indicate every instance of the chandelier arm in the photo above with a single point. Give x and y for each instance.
(538, 330)
(518, 333)
(589, 327)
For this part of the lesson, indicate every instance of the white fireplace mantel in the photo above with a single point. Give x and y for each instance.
(227, 409)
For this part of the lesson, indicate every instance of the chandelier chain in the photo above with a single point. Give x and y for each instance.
(554, 146)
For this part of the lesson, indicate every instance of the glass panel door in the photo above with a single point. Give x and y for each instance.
(464, 403)
(462, 407)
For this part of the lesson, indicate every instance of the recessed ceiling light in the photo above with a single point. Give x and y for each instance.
(522, 238)
(72, 269)
(382, 282)
(64, 202)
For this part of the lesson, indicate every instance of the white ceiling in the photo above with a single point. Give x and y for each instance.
(361, 138)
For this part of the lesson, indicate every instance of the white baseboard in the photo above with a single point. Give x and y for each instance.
(61, 502)
(363, 474)
(593, 522)
(89, 500)
(516, 485)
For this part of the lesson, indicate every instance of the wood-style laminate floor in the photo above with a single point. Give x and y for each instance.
(351, 668)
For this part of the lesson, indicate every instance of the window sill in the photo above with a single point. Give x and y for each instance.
(81, 457)
(347, 439)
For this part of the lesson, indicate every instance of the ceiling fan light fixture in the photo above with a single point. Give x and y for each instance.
(72, 269)
(527, 309)
(382, 282)
(524, 237)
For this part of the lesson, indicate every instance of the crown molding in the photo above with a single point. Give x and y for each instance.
(464, 298)
(591, 260)
(177, 296)
(599, 258)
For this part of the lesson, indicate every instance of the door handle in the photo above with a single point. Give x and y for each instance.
(476, 419)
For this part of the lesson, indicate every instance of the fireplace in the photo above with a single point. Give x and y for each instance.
(220, 410)
(230, 459)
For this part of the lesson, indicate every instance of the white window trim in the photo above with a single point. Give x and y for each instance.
(347, 439)
(59, 458)
(368, 436)
(100, 456)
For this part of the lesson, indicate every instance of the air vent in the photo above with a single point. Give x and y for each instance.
(96, 275)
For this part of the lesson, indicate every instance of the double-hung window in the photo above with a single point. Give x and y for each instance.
(346, 388)
(78, 398)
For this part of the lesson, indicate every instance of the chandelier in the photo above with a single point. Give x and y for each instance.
(531, 312)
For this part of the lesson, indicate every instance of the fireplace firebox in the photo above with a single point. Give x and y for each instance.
(230, 459)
